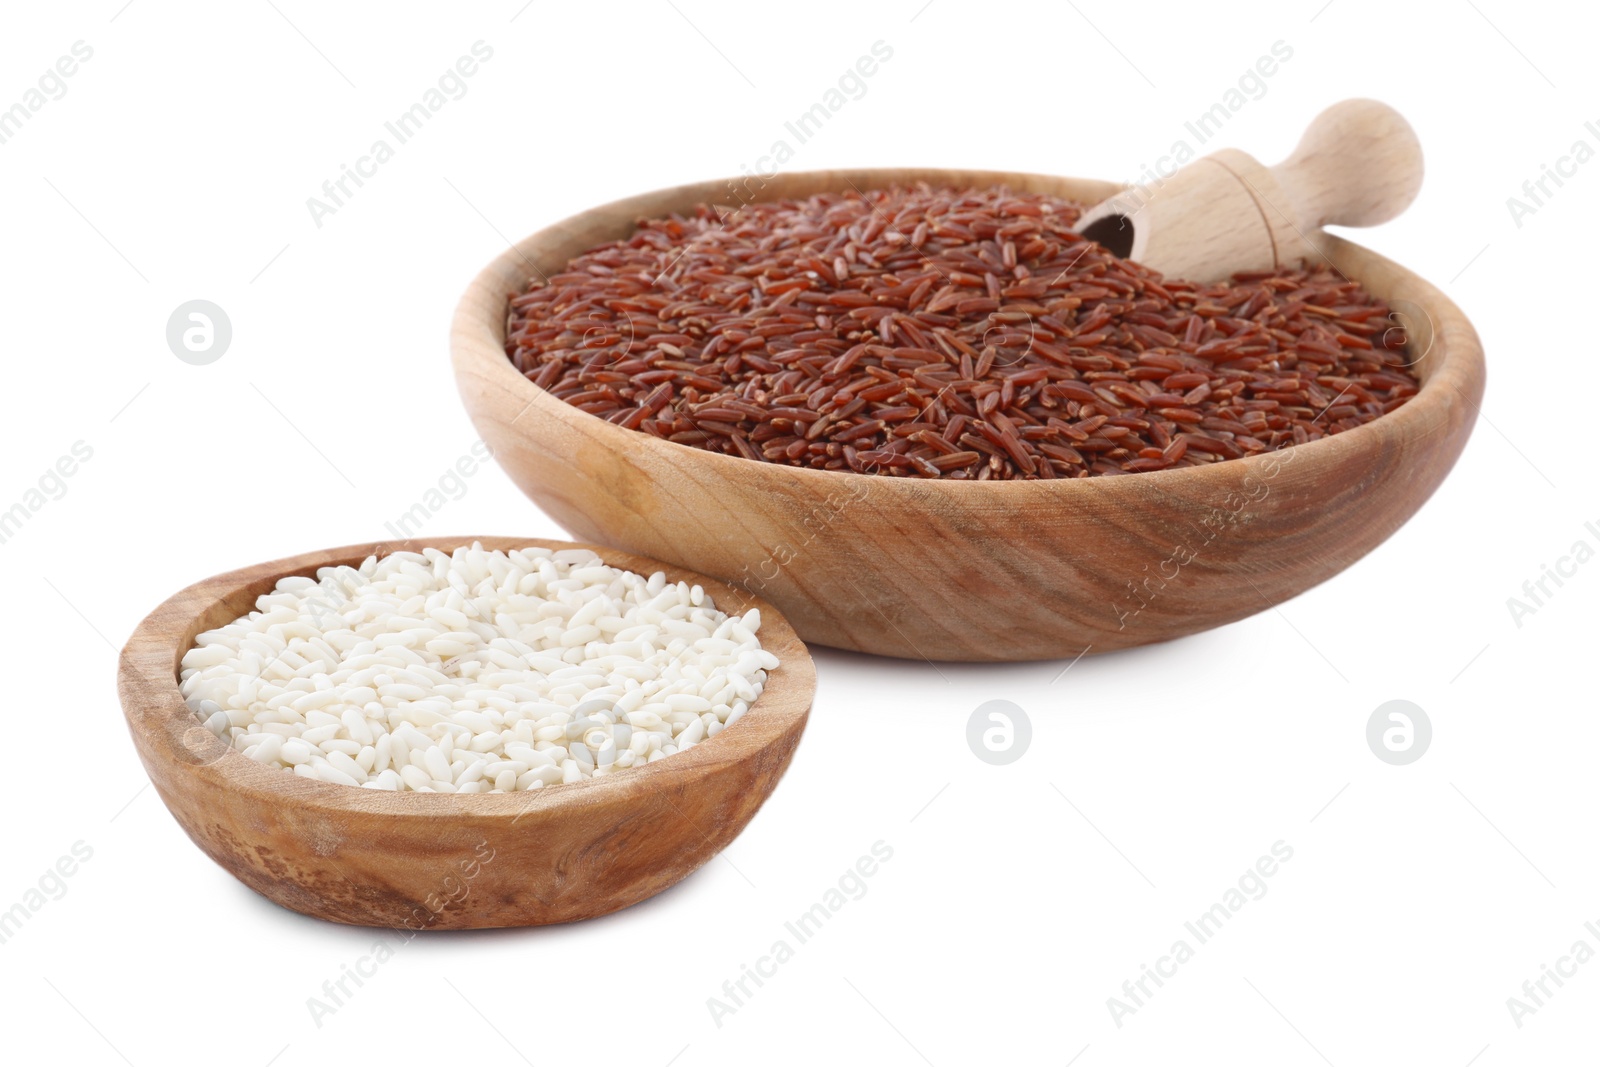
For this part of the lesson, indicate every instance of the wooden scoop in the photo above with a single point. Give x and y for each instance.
(1358, 164)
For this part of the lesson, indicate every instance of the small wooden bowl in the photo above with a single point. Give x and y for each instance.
(440, 861)
(945, 570)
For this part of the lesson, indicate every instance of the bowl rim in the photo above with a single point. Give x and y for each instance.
(478, 346)
(164, 728)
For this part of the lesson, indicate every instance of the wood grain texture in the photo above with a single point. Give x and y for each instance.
(1358, 164)
(945, 570)
(418, 860)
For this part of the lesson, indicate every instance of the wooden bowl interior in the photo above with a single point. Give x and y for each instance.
(550, 250)
(785, 697)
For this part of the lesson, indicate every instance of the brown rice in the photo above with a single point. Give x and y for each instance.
(964, 334)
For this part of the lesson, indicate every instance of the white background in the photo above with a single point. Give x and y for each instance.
(1019, 898)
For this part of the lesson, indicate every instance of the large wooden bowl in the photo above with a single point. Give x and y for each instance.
(948, 570)
(442, 861)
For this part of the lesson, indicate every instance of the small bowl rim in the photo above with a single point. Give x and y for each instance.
(164, 727)
(478, 347)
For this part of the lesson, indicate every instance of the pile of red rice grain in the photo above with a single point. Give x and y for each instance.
(948, 333)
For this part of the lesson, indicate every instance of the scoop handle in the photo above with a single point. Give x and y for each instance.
(1358, 164)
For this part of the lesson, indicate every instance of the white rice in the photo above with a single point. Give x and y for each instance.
(474, 672)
